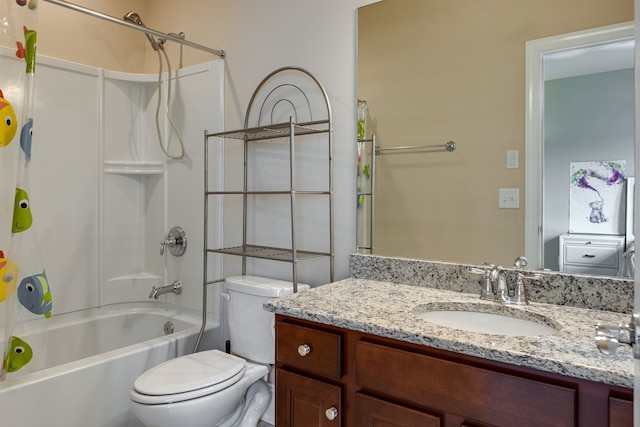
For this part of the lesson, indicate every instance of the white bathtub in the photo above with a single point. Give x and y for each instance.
(92, 358)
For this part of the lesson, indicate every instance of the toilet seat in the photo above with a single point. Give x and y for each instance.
(188, 377)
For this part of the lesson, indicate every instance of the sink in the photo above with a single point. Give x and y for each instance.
(489, 323)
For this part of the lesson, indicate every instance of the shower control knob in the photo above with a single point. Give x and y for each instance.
(176, 241)
(331, 413)
(304, 349)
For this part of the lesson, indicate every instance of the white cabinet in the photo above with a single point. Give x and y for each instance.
(591, 253)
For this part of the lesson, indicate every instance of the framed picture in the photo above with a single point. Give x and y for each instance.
(597, 197)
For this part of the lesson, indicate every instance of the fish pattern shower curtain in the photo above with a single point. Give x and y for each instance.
(24, 288)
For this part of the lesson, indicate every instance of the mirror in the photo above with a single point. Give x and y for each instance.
(436, 71)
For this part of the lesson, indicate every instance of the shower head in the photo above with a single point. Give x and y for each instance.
(134, 18)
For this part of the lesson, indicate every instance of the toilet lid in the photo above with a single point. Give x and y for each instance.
(192, 372)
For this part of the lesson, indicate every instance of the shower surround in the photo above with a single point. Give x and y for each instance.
(106, 197)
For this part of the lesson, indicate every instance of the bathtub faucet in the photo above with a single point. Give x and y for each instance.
(175, 287)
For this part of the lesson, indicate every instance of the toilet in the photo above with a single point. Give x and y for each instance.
(213, 388)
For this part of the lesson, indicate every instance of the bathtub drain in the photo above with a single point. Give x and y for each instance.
(168, 328)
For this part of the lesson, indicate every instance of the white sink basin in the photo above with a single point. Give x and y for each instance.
(486, 323)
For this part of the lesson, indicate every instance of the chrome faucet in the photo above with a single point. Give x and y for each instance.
(496, 287)
(498, 280)
(175, 287)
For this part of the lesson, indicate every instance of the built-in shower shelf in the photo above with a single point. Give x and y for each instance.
(133, 168)
(142, 277)
(131, 77)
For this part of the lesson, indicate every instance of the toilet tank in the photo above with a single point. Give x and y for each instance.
(251, 327)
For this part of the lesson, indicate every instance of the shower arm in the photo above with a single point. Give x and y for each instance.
(159, 34)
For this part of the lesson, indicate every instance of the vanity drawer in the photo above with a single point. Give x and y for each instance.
(372, 412)
(310, 349)
(598, 255)
(475, 393)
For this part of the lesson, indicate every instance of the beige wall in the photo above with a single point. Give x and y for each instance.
(440, 70)
(73, 36)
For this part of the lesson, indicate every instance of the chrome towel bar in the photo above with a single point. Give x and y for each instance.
(449, 146)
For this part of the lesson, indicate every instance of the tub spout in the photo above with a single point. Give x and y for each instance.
(175, 287)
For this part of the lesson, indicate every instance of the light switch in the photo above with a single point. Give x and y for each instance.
(512, 159)
(509, 198)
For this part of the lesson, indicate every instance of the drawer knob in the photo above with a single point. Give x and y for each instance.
(588, 256)
(304, 349)
(331, 413)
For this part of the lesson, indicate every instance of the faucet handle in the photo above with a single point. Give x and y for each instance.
(520, 293)
(176, 241)
(521, 262)
(486, 292)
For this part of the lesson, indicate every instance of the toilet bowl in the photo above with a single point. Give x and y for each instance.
(213, 388)
(201, 390)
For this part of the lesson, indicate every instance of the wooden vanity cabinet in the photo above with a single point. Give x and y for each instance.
(620, 412)
(372, 381)
(305, 400)
(308, 390)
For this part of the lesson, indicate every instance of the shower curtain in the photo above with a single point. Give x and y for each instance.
(24, 288)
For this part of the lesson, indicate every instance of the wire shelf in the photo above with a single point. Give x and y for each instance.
(267, 252)
(272, 131)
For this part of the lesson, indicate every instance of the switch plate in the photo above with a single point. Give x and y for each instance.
(509, 198)
(512, 159)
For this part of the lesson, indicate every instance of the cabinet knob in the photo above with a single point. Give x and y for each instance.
(304, 349)
(331, 413)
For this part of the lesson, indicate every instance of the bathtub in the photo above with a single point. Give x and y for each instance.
(92, 359)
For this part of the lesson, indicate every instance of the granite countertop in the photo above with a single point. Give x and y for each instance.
(389, 310)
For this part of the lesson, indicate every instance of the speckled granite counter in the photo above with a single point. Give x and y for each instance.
(389, 310)
(577, 290)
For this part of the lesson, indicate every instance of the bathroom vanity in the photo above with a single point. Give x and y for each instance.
(355, 353)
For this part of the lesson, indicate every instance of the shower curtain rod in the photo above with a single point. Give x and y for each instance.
(449, 146)
(173, 38)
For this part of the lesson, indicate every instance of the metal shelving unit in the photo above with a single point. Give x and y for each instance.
(267, 132)
(365, 220)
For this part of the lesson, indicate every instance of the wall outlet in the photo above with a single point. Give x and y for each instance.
(509, 198)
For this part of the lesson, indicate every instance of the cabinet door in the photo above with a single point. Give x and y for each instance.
(474, 393)
(620, 412)
(372, 412)
(303, 401)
